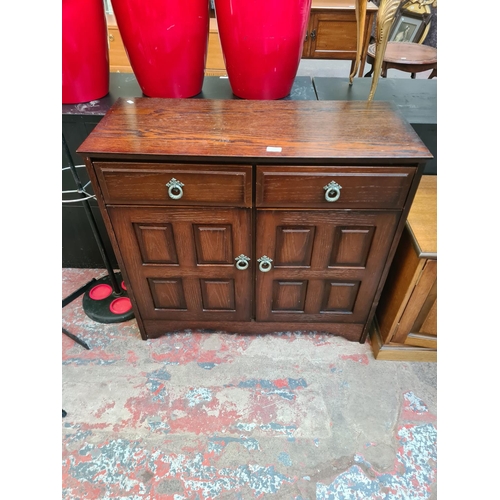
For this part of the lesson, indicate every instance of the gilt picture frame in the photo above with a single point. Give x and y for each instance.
(407, 28)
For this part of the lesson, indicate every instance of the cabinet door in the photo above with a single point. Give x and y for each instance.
(181, 262)
(334, 35)
(326, 265)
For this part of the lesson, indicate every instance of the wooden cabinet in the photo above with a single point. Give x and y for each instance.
(284, 220)
(406, 326)
(118, 59)
(332, 31)
(215, 65)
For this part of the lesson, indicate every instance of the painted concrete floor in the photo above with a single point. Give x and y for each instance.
(191, 415)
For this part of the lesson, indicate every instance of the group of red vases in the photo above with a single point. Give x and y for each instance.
(166, 42)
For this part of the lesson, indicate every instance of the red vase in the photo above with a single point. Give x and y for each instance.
(262, 43)
(85, 59)
(166, 43)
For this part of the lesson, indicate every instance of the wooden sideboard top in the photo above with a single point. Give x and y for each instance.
(277, 130)
(422, 219)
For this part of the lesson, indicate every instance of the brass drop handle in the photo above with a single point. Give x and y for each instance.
(332, 191)
(242, 262)
(175, 189)
(111, 38)
(265, 263)
(313, 35)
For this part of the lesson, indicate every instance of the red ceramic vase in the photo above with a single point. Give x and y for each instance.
(166, 43)
(262, 43)
(85, 59)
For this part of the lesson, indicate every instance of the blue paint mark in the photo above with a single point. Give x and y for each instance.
(161, 374)
(418, 453)
(287, 430)
(158, 389)
(316, 442)
(293, 383)
(159, 426)
(285, 459)
(283, 393)
(207, 366)
(215, 448)
(83, 362)
(198, 395)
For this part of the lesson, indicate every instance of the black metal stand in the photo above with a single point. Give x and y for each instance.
(107, 301)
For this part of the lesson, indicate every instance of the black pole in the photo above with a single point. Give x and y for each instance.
(114, 283)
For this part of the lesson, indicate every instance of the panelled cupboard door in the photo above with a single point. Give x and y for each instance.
(181, 261)
(326, 265)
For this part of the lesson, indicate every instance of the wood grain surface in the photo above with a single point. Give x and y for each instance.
(218, 129)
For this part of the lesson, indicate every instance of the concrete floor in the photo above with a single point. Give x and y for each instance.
(294, 415)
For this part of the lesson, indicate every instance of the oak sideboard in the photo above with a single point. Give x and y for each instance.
(254, 216)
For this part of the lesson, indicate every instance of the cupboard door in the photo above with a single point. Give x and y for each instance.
(325, 267)
(335, 35)
(181, 262)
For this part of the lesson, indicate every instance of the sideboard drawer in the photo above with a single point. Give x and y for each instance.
(356, 187)
(148, 184)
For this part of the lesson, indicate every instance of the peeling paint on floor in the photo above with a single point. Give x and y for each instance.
(201, 416)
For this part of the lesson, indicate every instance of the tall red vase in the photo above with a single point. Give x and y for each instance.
(262, 43)
(166, 43)
(85, 58)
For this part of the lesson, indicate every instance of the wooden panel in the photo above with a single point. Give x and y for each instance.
(294, 246)
(369, 187)
(351, 246)
(215, 65)
(354, 286)
(146, 183)
(422, 218)
(390, 352)
(414, 307)
(118, 59)
(218, 295)
(202, 129)
(289, 296)
(167, 294)
(156, 243)
(213, 244)
(336, 36)
(212, 287)
(339, 296)
(429, 326)
(403, 275)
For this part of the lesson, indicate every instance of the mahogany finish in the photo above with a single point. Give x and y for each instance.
(253, 175)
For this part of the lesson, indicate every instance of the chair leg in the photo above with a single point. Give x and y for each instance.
(433, 73)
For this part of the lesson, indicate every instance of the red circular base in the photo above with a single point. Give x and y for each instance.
(123, 285)
(103, 305)
(100, 292)
(120, 306)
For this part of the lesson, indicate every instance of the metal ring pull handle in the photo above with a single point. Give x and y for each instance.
(242, 262)
(265, 263)
(175, 189)
(332, 191)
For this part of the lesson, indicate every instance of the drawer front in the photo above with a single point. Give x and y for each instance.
(152, 184)
(354, 187)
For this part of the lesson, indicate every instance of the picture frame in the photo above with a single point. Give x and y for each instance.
(408, 28)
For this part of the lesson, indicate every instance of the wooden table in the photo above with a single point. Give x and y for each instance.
(409, 57)
(406, 317)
